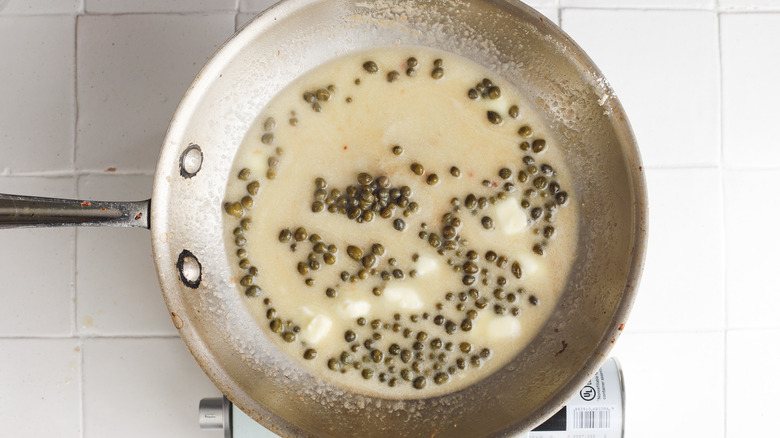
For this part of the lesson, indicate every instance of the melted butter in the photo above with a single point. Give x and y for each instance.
(438, 126)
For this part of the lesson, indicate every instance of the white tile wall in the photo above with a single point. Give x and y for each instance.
(750, 89)
(90, 85)
(132, 72)
(143, 387)
(664, 67)
(40, 387)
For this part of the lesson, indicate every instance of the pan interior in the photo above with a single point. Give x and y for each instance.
(514, 42)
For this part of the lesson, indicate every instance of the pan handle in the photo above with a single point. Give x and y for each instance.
(32, 211)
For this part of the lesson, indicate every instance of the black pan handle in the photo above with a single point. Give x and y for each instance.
(32, 211)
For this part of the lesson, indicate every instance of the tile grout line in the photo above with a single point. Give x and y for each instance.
(74, 301)
(723, 231)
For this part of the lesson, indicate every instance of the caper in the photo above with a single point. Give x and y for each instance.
(494, 92)
(432, 179)
(417, 168)
(354, 252)
(310, 354)
(300, 234)
(561, 198)
(494, 118)
(536, 213)
(437, 73)
(514, 111)
(491, 256)
(399, 224)
(538, 145)
(392, 76)
(244, 174)
(487, 222)
(397, 150)
(303, 268)
(234, 209)
(473, 94)
(538, 249)
(329, 258)
(276, 325)
(323, 95)
(253, 187)
(267, 138)
(253, 291)
(516, 271)
(370, 66)
(522, 176)
(420, 382)
(369, 261)
(549, 232)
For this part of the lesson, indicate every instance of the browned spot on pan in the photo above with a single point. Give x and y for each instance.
(562, 349)
(177, 321)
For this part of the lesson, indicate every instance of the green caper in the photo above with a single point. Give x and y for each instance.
(288, 337)
(234, 209)
(317, 206)
(494, 118)
(371, 67)
(303, 268)
(540, 183)
(505, 173)
(437, 73)
(354, 252)
(253, 187)
(417, 168)
(267, 138)
(244, 174)
(397, 150)
(420, 382)
(473, 94)
(392, 76)
(399, 224)
(487, 222)
(270, 174)
(369, 261)
(491, 256)
(285, 235)
(514, 111)
(253, 291)
(376, 356)
(432, 179)
(561, 198)
(411, 62)
(549, 232)
(276, 325)
(538, 145)
(525, 131)
(516, 270)
(310, 354)
(323, 95)
(300, 234)
(494, 92)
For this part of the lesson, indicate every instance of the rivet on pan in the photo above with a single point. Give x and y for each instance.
(190, 161)
(189, 269)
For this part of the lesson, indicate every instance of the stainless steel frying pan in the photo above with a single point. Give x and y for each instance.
(185, 216)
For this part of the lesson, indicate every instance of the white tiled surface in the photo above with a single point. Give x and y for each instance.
(88, 85)
(142, 387)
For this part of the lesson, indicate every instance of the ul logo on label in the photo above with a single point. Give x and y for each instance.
(588, 393)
